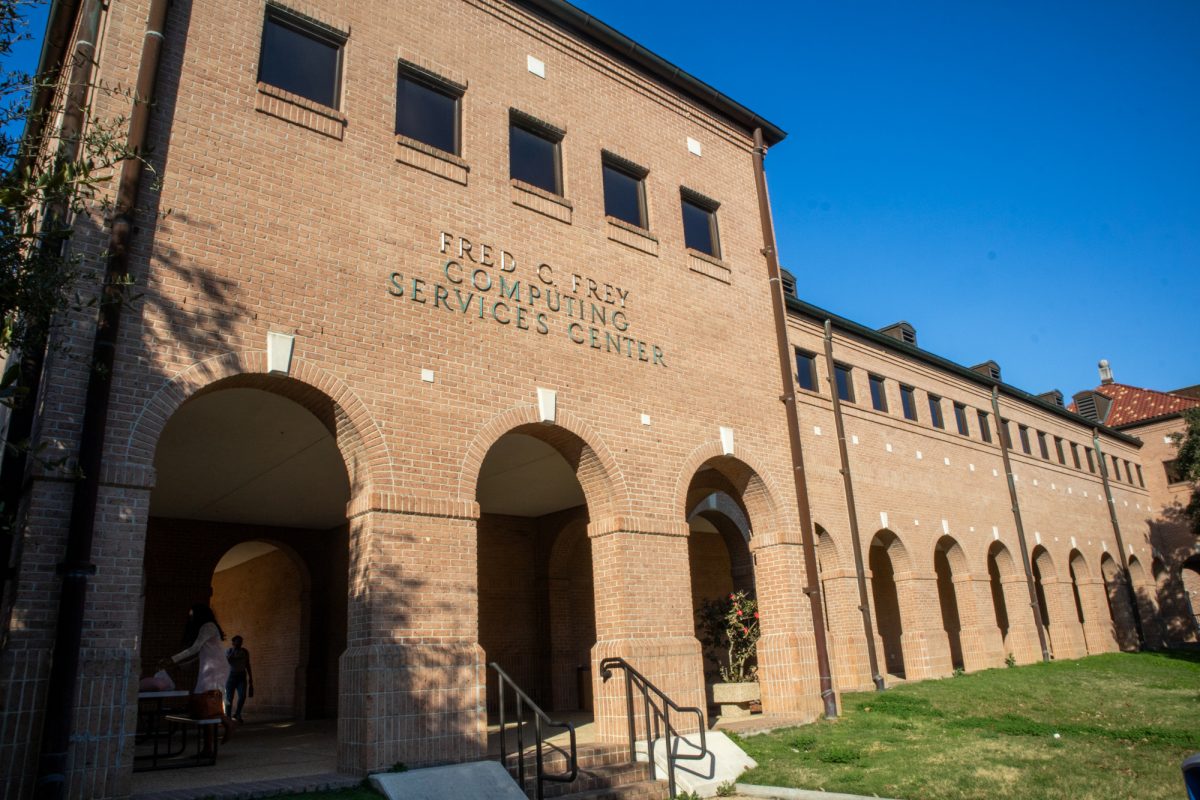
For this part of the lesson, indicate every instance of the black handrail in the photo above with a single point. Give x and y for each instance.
(656, 708)
(539, 718)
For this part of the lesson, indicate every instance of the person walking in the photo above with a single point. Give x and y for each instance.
(241, 679)
(207, 699)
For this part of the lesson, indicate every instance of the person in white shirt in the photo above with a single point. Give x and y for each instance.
(208, 698)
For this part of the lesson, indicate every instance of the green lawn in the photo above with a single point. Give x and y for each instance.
(1123, 722)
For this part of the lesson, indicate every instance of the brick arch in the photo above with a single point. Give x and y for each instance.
(827, 549)
(1006, 566)
(1044, 563)
(359, 439)
(745, 481)
(1079, 564)
(893, 545)
(955, 555)
(603, 483)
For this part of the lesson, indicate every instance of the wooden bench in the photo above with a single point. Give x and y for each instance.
(182, 723)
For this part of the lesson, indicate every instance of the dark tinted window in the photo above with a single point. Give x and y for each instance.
(806, 370)
(700, 228)
(623, 196)
(1141, 480)
(908, 401)
(1075, 454)
(1042, 446)
(533, 158)
(300, 59)
(1023, 432)
(1116, 468)
(1058, 449)
(1087, 451)
(845, 386)
(1006, 434)
(960, 419)
(426, 113)
(935, 411)
(878, 395)
(985, 430)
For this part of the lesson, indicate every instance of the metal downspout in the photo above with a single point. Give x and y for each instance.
(77, 566)
(813, 590)
(852, 511)
(1116, 526)
(1001, 435)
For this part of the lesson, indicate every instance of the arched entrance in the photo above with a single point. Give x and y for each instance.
(885, 549)
(1190, 578)
(536, 598)
(947, 550)
(1043, 570)
(1120, 610)
(1011, 607)
(248, 514)
(1147, 603)
(1090, 607)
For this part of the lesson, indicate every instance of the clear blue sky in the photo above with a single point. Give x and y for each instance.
(1019, 180)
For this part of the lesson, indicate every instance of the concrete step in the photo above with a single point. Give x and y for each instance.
(609, 777)
(644, 790)
(586, 756)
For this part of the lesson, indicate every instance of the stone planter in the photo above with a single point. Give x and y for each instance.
(735, 699)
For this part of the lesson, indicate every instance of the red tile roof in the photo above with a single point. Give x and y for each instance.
(1133, 404)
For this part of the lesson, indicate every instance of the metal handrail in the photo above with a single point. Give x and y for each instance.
(539, 718)
(654, 714)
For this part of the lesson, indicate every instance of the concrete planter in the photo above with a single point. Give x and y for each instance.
(735, 699)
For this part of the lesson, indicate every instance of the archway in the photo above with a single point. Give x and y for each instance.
(1077, 570)
(949, 563)
(1120, 610)
(1147, 603)
(1043, 571)
(1190, 577)
(249, 515)
(1000, 567)
(885, 550)
(536, 598)
(1089, 608)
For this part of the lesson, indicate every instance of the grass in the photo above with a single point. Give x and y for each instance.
(1124, 723)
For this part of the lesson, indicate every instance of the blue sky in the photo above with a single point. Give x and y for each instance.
(1019, 180)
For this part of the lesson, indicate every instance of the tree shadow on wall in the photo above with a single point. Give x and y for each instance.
(1176, 548)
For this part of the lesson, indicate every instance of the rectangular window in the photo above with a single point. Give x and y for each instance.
(909, 401)
(935, 411)
(1087, 451)
(1116, 468)
(960, 419)
(1043, 446)
(878, 393)
(845, 384)
(1058, 450)
(624, 190)
(1006, 435)
(700, 223)
(1174, 474)
(1023, 432)
(301, 57)
(427, 109)
(806, 370)
(535, 153)
(1141, 480)
(985, 430)
(1129, 473)
(1075, 455)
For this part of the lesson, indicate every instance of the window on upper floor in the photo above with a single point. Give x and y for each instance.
(1005, 435)
(624, 190)
(535, 152)
(806, 370)
(1141, 480)
(1116, 465)
(1129, 473)
(700, 223)
(985, 429)
(1023, 432)
(878, 393)
(1087, 451)
(845, 383)
(301, 56)
(908, 401)
(1042, 446)
(1174, 473)
(935, 411)
(960, 419)
(428, 109)
(1075, 455)
(1058, 451)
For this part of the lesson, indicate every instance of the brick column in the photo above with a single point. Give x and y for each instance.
(923, 639)
(644, 615)
(1065, 631)
(1097, 625)
(982, 644)
(412, 679)
(1022, 640)
(787, 656)
(847, 642)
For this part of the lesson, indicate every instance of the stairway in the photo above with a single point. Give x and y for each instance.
(604, 774)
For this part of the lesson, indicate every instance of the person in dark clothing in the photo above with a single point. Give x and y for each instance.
(241, 678)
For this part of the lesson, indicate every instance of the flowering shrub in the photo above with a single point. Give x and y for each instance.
(729, 633)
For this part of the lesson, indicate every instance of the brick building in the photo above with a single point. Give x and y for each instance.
(449, 354)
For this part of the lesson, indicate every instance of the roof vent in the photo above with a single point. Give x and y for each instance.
(1105, 372)
(989, 368)
(902, 331)
(789, 282)
(1093, 406)
(1054, 397)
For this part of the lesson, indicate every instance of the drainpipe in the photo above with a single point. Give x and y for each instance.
(852, 510)
(1001, 434)
(813, 590)
(77, 566)
(1116, 526)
